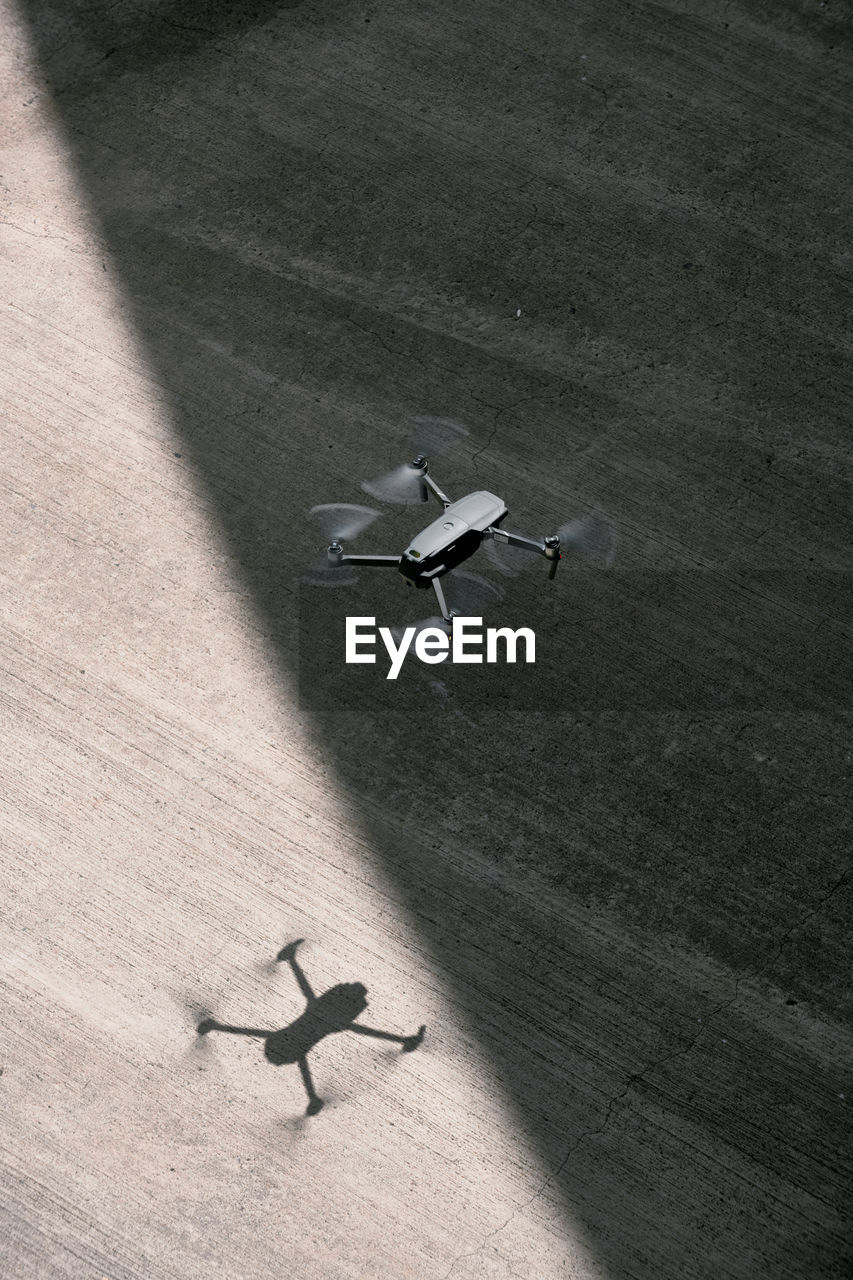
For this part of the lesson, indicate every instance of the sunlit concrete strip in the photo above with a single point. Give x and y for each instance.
(170, 827)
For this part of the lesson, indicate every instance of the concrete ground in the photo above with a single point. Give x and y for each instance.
(242, 245)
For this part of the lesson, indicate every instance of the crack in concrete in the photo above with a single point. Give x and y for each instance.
(809, 915)
(636, 1076)
(371, 333)
(511, 186)
(488, 444)
(188, 26)
(497, 410)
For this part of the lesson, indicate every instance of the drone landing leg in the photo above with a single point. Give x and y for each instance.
(442, 603)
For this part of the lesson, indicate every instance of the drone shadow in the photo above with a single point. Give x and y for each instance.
(330, 1012)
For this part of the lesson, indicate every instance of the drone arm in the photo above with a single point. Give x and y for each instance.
(366, 562)
(433, 487)
(515, 539)
(547, 547)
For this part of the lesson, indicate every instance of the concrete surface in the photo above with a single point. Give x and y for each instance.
(242, 245)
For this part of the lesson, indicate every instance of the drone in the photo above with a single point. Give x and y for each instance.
(437, 551)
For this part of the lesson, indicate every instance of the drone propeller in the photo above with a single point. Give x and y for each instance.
(323, 574)
(435, 435)
(337, 521)
(589, 537)
(404, 484)
(340, 521)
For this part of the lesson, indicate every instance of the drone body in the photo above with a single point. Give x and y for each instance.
(452, 538)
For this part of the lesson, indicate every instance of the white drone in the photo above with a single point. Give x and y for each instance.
(459, 531)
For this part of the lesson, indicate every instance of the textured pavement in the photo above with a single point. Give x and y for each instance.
(242, 246)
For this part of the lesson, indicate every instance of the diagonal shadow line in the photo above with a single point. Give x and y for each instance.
(510, 849)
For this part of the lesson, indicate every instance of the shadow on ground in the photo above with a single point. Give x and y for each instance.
(329, 1013)
(558, 227)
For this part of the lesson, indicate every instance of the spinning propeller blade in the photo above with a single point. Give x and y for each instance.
(340, 521)
(337, 521)
(402, 485)
(323, 574)
(435, 435)
(590, 537)
(429, 436)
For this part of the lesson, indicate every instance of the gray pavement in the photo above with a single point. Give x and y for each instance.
(243, 246)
